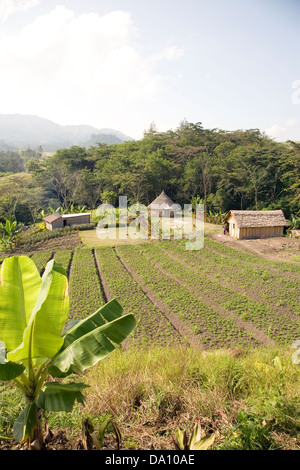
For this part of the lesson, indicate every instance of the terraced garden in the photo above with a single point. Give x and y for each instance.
(217, 297)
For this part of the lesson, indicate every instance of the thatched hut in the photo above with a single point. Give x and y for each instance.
(256, 224)
(162, 206)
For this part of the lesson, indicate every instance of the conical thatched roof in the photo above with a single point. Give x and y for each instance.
(247, 219)
(163, 201)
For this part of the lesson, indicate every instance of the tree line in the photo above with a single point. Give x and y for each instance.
(242, 169)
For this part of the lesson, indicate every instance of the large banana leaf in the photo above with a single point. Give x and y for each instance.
(8, 370)
(20, 284)
(107, 313)
(26, 423)
(60, 397)
(42, 336)
(88, 349)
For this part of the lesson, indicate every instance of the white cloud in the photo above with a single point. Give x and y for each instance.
(9, 7)
(78, 69)
(275, 131)
(170, 53)
(288, 131)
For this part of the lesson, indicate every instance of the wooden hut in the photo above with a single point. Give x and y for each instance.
(255, 224)
(162, 206)
(54, 221)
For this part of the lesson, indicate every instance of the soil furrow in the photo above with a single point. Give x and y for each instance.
(235, 288)
(250, 329)
(103, 285)
(179, 326)
(288, 274)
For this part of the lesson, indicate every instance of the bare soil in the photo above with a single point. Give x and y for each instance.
(66, 242)
(61, 441)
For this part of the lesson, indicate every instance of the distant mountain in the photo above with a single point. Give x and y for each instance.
(19, 131)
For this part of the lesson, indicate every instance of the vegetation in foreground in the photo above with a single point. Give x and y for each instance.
(249, 399)
(34, 345)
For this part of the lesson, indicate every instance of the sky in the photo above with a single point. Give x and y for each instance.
(126, 64)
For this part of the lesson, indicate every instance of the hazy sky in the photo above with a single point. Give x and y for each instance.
(124, 64)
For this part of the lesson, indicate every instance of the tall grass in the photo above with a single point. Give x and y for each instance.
(156, 390)
(248, 398)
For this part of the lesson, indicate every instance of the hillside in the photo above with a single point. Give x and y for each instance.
(19, 131)
(207, 347)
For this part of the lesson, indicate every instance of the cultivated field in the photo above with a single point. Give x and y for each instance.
(217, 297)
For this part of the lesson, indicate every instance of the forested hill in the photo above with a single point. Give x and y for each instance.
(228, 170)
(19, 132)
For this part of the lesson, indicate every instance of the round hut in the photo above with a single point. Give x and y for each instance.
(162, 206)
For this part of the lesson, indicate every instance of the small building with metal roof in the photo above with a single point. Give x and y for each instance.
(54, 221)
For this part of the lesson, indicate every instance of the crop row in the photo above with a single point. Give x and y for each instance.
(84, 284)
(64, 258)
(152, 326)
(278, 291)
(41, 258)
(213, 251)
(212, 329)
(282, 266)
(279, 327)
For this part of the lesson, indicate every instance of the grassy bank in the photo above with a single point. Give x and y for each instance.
(248, 398)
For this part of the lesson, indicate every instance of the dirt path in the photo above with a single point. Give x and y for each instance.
(182, 329)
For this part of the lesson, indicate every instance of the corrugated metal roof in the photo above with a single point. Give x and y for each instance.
(67, 216)
(50, 218)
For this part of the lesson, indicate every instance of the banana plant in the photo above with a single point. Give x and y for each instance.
(35, 344)
(92, 438)
(197, 441)
(9, 233)
(294, 223)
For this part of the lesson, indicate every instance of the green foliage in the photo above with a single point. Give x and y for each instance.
(49, 234)
(250, 433)
(152, 326)
(9, 234)
(93, 438)
(226, 170)
(33, 343)
(71, 210)
(197, 440)
(108, 197)
(294, 223)
(135, 382)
